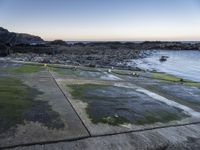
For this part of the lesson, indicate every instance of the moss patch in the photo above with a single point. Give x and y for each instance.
(17, 104)
(115, 105)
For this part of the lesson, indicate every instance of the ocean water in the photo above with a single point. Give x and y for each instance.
(185, 64)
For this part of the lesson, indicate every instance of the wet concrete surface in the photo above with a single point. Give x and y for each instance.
(184, 93)
(78, 102)
(79, 73)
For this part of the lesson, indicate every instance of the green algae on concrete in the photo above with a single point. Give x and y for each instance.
(117, 105)
(17, 104)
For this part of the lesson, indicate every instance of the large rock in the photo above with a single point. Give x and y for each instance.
(4, 49)
(19, 38)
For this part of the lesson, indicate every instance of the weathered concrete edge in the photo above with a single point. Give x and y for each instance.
(96, 136)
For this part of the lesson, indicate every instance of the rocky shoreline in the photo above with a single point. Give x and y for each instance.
(116, 59)
(25, 47)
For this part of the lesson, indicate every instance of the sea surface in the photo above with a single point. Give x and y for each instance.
(185, 64)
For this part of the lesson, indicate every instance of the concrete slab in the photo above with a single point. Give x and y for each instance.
(34, 110)
(114, 109)
(20, 69)
(83, 73)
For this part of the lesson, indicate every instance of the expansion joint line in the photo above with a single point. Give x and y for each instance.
(69, 102)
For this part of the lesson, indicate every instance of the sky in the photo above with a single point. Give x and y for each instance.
(103, 20)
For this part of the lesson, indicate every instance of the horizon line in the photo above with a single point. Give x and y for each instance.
(175, 39)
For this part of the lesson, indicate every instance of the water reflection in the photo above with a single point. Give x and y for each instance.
(185, 64)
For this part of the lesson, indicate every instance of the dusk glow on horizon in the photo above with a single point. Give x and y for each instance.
(104, 20)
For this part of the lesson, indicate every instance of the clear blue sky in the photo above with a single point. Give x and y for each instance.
(103, 19)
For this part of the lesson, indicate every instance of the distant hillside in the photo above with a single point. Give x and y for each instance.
(18, 38)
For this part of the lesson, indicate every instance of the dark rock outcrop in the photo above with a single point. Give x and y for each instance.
(18, 38)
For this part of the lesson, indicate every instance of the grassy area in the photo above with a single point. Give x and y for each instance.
(195, 84)
(17, 104)
(103, 107)
(171, 78)
(166, 77)
(26, 69)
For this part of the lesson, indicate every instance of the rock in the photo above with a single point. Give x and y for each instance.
(4, 49)
(19, 38)
(163, 58)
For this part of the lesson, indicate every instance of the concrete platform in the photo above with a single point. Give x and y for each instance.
(66, 107)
